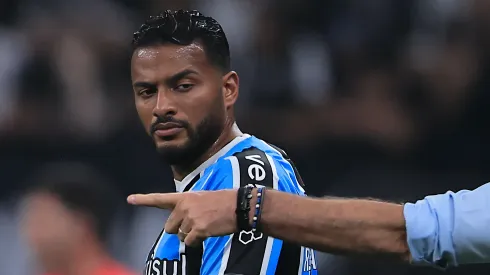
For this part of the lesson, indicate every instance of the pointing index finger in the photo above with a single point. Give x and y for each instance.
(159, 200)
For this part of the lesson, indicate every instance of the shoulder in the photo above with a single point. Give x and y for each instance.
(256, 154)
(260, 164)
(249, 166)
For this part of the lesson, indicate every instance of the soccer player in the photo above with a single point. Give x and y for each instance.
(66, 221)
(441, 230)
(185, 93)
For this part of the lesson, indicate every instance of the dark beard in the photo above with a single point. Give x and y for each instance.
(200, 140)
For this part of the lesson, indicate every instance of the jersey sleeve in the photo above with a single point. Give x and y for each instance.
(252, 253)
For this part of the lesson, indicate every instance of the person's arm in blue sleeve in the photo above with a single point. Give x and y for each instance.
(450, 229)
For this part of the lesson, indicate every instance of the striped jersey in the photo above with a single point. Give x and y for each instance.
(244, 160)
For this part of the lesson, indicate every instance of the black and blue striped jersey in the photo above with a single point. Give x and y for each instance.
(245, 160)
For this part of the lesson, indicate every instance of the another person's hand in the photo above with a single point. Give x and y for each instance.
(195, 216)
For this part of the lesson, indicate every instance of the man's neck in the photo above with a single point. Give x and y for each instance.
(231, 132)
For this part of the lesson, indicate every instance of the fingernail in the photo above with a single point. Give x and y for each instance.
(131, 199)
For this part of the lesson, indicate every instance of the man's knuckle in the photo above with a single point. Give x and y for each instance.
(198, 227)
(182, 207)
(201, 228)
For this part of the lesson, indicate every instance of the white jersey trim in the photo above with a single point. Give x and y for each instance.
(180, 186)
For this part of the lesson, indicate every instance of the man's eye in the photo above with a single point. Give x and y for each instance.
(183, 87)
(146, 93)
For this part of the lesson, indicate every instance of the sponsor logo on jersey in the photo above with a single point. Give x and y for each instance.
(156, 266)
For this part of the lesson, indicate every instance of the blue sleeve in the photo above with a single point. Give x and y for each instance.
(451, 228)
(287, 179)
(251, 253)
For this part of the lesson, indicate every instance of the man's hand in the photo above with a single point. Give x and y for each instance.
(195, 216)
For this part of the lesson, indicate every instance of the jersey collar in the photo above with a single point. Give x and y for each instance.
(180, 186)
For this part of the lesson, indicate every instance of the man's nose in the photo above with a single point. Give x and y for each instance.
(165, 104)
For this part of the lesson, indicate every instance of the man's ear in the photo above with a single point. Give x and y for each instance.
(230, 88)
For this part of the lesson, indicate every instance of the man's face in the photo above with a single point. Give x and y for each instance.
(51, 230)
(179, 98)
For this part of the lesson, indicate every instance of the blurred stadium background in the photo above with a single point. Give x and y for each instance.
(378, 98)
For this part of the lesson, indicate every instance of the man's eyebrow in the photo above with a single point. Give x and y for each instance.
(143, 85)
(169, 81)
(178, 76)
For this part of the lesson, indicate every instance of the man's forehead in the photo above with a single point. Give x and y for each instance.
(170, 52)
(168, 59)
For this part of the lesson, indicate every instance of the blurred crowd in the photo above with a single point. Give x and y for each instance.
(377, 98)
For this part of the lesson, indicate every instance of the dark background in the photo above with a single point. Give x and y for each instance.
(377, 98)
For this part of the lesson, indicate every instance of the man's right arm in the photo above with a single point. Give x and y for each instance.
(443, 230)
(340, 226)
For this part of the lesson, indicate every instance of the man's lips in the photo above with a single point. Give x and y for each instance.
(164, 130)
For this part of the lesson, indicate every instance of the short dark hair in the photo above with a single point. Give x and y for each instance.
(80, 188)
(184, 27)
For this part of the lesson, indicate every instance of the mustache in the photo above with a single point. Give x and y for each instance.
(167, 119)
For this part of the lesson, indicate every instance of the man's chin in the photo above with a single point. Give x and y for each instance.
(173, 153)
(163, 146)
